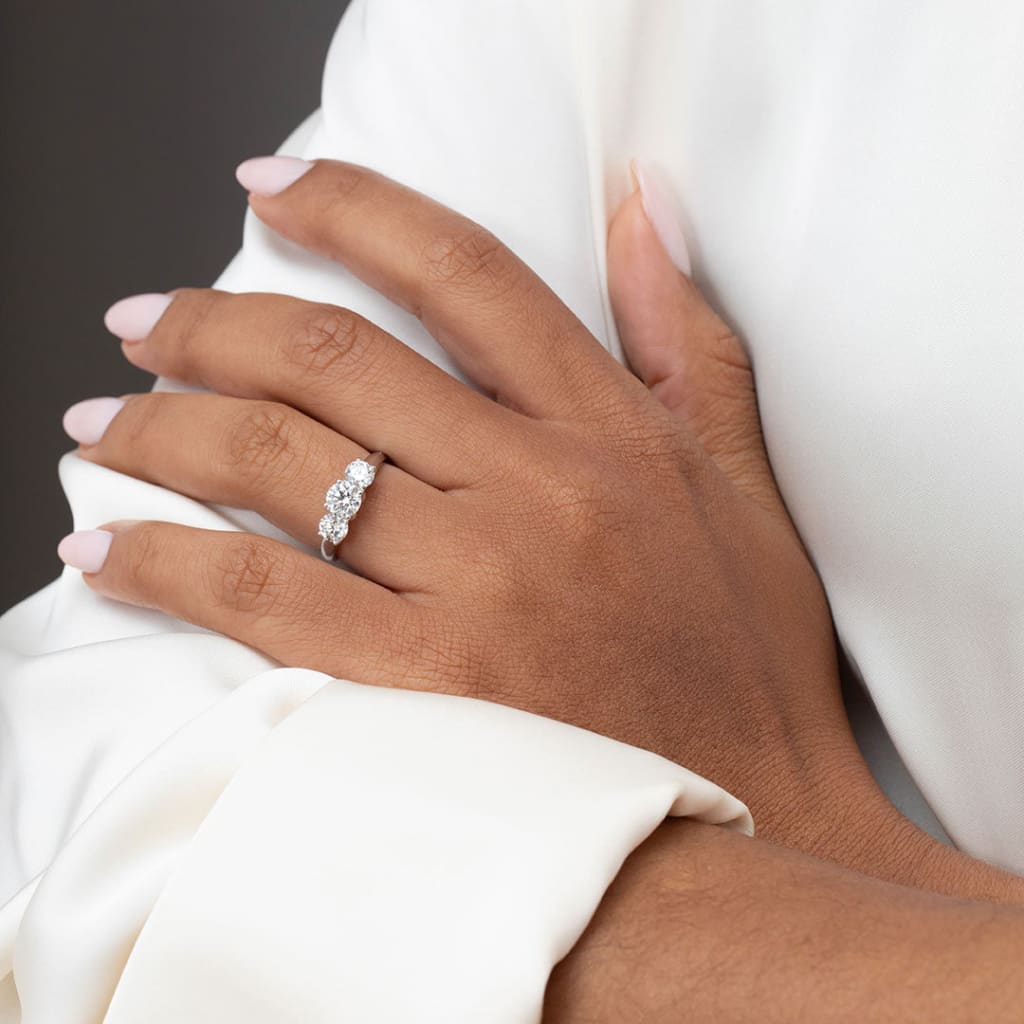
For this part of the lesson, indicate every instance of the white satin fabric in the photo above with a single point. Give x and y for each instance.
(196, 834)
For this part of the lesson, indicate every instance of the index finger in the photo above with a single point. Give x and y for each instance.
(503, 325)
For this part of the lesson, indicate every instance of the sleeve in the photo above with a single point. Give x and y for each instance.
(190, 832)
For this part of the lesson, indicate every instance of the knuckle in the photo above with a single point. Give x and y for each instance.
(578, 495)
(727, 374)
(344, 181)
(326, 337)
(137, 419)
(471, 256)
(141, 553)
(246, 577)
(647, 440)
(726, 416)
(190, 315)
(730, 378)
(339, 186)
(261, 442)
(723, 346)
(642, 437)
(584, 504)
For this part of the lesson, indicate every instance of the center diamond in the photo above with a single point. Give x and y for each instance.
(344, 498)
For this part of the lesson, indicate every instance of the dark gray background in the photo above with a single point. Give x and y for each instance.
(122, 125)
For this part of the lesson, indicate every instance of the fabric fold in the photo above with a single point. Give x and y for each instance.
(397, 856)
(312, 848)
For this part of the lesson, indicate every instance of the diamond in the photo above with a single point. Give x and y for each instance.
(344, 498)
(360, 473)
(333, 529)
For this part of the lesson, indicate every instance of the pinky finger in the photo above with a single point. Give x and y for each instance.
(292, 607)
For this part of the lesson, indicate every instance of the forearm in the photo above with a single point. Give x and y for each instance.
(703, 924)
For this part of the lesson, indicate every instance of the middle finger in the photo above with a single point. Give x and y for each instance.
(505, 327)
(326, 361)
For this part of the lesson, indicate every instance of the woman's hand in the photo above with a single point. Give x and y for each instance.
(604, 549)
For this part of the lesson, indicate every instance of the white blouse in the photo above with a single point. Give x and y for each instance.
(189, 832)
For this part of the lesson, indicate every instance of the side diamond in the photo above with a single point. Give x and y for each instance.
(333, 529)
(360, 472)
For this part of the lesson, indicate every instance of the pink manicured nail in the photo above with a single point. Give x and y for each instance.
(268, 175)
(133, 318)
(85, 422)
(660, 208)
(85, 549)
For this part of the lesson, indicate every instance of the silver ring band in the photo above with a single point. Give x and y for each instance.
(344, 499)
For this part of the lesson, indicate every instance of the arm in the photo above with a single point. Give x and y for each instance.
(704, 924)
(654, 515)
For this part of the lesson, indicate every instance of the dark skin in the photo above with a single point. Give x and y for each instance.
(703, 924)
(652, 506)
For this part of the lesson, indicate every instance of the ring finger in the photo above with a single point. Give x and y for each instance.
(267, 457)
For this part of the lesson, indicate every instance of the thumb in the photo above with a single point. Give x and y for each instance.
(678, 346)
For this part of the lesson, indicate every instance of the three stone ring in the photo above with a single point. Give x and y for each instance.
(344, 499)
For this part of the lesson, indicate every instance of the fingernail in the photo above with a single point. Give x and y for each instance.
(268, 175)
(660, 207)
(85, 422)
(133, 318)
(85, 549)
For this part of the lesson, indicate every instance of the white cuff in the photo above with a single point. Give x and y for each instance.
(358, 853)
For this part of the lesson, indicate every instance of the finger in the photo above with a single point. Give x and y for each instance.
(508, 330)
(326, 361)
(691, 361)
(268, 457)
(294, 608)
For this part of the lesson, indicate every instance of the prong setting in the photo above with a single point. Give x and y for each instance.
(343, 500)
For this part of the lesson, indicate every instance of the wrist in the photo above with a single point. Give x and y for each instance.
(810, 792)
(892, 847)
(836, 811)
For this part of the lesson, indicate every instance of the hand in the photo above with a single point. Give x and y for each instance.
(575, 541)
